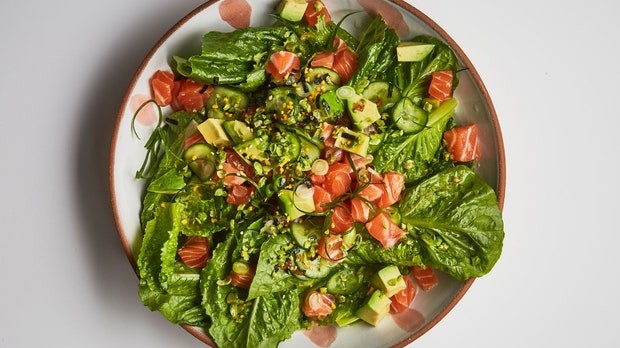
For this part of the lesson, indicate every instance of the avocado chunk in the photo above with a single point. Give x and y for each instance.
(352, 141)
(413, 51)
(295, 206)
(292, 10)
(363, 111)
(375, 309)
(214, 133)
(332, 107)
(345, 319)
(238, 131)
(253, 149)
(389, 280)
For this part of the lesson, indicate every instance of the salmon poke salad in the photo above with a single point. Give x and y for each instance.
(301, 176)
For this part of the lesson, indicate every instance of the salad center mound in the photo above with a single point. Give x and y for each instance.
(303, 176)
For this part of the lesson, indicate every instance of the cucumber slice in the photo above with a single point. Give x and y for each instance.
(284, 103)
(319, 74)
(253, 149)
(408, 116)
(316, 268)
(201, 160)
(383, 94)
(319, 80)
(226, 100)
(309, 149)
(344, 282)
(238, 131)
(306, 234)
(292, 149)
(349, 238)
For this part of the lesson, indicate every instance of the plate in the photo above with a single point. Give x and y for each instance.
(184, 38)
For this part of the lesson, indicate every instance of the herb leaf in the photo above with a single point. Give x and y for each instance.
(456, 217)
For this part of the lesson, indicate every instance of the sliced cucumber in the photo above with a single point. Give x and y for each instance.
(306, 234)
(318, 75)
(316, 268)
(238, 131)
(284, 103)
(349, 238)
(226, 100)
(201, 160)
(319, 80)
(253, 149)
(384, 94)
(408, 116)
(292, 149)
(309, 149)
(344, 282)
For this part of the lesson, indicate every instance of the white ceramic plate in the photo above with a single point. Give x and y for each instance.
(184, 39)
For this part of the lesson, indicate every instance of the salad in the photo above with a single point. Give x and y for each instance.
(301, 176)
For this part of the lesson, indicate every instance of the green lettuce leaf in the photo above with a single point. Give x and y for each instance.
(232, 57)
(170, 183)
(414, 155)
(250, 240)
(270, 276)
(261, 322)
(456, 218)
(407, 252)
(204, 217)
(413, 78)
(181, 303)
(375, 51)
(158, 250)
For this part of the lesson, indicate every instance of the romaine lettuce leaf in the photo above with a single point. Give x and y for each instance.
(204, 217)
(233, 57)
(250, 240)
(170, 183)
(375, 51)
(407, 252)
(413, 78)
(270, 276)
(181, 303)
(414, 155)
(457, 220)
(261, 322)
(158, 250)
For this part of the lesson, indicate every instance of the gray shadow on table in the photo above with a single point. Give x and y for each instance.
(113, 278)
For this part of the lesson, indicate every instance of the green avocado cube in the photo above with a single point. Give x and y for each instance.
(363, 112)
(413, 51)
(389, 280)
(292, 10)
(214, 133)
(375, 309)
(352, 141)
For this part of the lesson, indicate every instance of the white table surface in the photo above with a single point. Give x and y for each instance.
(552, 69)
